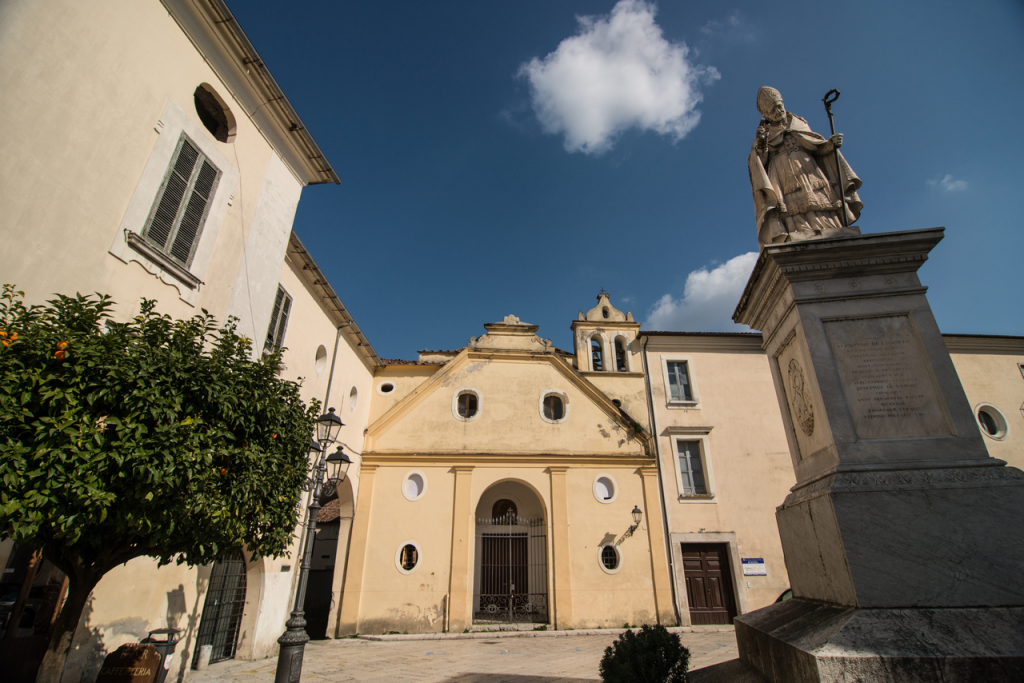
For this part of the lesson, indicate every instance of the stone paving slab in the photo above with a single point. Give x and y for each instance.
(496, 658)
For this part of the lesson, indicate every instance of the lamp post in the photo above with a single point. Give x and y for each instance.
(335, 466)
(638, 514)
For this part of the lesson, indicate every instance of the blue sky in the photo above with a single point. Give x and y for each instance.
(516, 157)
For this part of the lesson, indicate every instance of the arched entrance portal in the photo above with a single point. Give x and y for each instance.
(511, 577)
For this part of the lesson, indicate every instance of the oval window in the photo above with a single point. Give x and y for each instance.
(385, 388)
(609, 558)
(604, 488)
(554, 409)
(467, 405)
(320, 363)
(407, 558)
(414, 485)
(991, 421)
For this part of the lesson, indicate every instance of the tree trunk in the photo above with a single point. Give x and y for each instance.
(52, 668)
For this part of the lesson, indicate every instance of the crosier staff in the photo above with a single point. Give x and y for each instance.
(830, 97)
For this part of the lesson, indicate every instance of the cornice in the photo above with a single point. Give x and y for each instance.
(999, 345)
(216, 34)
(505, 459)
(703, 342)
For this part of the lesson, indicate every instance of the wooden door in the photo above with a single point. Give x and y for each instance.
(708, 584)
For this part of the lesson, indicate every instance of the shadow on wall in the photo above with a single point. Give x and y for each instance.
(88, 650)
(176, 609)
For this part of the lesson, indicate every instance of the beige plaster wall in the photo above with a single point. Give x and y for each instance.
(509, 414)
(415, 603)
(747, 456)
(405, 378)
(599, 599)
(86, 84)
(995, 379)
(390, 600)
(130, 601)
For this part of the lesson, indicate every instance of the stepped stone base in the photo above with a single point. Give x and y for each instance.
(799, 641)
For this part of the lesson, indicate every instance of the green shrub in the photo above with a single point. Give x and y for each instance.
(650, 655)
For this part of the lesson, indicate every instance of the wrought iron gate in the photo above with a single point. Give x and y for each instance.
(512, 570)
(222, 611)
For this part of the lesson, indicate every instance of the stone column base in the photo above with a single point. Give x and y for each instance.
(799, 641)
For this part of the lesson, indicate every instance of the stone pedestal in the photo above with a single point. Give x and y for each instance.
(903, 539)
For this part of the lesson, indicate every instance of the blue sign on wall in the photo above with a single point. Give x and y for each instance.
(754, 566)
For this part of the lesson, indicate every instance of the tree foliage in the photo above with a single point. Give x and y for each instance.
(650, 655)
(153, 437)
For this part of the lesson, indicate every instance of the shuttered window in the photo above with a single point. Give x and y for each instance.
(182, 204)
(278, 320)
(691, 469)
(679, 382)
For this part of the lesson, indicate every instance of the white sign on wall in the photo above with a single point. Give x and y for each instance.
(753, 566)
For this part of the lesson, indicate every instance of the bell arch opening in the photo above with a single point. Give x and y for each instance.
(510, 581)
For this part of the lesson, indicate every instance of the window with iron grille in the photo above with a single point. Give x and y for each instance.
(278, 320)
(691, 469)
(176, 221)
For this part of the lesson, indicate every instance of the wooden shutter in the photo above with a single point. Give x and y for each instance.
(278, 319)
(177, 219)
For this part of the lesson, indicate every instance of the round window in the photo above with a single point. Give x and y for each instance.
(414, 485)
(408, 557)
(605, 489)
(554, 406)
(320, 363)
(466, 404)
(991, 421)
(385, 388)
(610, 558)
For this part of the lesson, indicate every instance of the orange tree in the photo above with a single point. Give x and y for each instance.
(154, 437)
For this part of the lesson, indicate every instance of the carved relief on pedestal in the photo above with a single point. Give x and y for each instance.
(799, 401)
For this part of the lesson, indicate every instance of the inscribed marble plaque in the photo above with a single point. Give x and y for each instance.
(886, 378)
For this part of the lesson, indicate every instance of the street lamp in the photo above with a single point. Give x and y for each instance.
(638, 514)
(293, 641)
(337, 466)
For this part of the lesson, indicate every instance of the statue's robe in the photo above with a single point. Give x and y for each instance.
(796, 196)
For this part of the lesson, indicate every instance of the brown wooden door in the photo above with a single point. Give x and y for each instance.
(708, 584)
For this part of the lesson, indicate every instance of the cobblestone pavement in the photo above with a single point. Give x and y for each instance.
(494, 659)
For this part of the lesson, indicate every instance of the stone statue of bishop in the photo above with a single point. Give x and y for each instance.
(794, 178)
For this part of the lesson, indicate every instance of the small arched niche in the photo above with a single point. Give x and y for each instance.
(214, 113)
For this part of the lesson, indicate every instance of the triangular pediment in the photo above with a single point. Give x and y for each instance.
(510, 386)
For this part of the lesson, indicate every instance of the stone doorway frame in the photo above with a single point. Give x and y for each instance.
(726, 538)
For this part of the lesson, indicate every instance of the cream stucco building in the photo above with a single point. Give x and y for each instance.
(145, 151)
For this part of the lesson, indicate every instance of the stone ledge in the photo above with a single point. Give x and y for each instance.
(799, 641)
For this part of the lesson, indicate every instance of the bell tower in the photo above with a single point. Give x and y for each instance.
(605, 339)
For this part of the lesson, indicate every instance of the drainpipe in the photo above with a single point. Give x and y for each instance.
(661, 483)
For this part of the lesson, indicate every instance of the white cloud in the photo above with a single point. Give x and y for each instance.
(617, 73)
(709, 298)
(948, 184)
